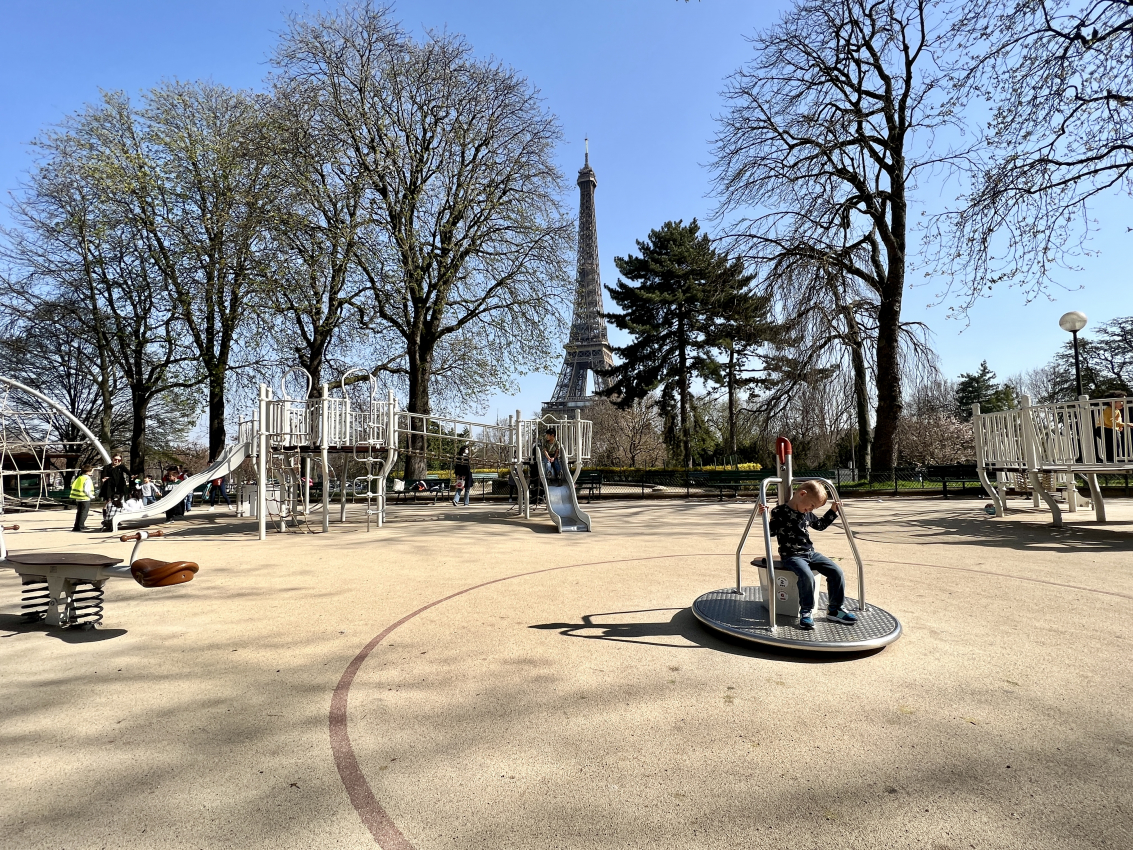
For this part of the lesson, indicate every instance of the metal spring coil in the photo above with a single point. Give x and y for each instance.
(35, 607)
(86, 605)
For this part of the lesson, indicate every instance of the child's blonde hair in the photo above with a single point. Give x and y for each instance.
(815, 489)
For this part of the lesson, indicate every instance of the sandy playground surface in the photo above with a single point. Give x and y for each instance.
(460, 679)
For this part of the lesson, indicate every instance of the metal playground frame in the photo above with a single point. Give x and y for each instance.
(286, 436)
(1050, 445)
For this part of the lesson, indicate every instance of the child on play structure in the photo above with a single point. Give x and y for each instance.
(552, 457)
(789, 524)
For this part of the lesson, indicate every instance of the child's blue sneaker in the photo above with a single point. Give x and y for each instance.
(806, 621)
(841, 616)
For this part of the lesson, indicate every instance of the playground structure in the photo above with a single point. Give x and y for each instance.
(288, 439)
(1050, 446)
(288, 436)
(766, 614)
(66, 589)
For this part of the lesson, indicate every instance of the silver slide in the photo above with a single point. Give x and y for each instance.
(233, 456)
(562, 500)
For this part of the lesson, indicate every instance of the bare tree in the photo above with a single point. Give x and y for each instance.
(820, 138)
(319, 219)
(629, 436)
(1059, 77)
(468, 238)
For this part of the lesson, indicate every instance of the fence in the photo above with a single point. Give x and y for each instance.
(679, 483)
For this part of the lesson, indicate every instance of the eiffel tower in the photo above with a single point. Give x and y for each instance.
(588, 349)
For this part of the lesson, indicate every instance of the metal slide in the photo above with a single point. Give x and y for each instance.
(222, 466)
(562, 499)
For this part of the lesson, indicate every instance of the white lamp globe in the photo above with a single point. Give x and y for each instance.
(1072, 321)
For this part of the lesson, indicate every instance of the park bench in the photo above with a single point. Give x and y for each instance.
(724, 481)
(434, 487)
(962, 474)
(591, 481)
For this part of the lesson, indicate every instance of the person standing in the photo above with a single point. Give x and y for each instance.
(463, 472)
(150, 491)
(218, 489)
(1113, 427)
(114, 480)
(82, 491)
(184, 476)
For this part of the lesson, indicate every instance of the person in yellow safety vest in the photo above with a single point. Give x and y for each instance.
(82, 491)
(1112, 427)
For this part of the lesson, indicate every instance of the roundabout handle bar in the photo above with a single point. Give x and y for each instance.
(11, 528)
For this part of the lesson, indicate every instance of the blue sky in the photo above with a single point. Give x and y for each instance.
(641, 78)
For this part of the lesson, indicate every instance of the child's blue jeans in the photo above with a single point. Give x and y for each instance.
(553, 468)
(805, 566)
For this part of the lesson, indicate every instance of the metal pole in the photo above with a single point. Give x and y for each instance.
(325, 457)
(262, 467)
(1077, 364)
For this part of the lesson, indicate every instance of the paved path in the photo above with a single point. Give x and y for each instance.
(534, 690)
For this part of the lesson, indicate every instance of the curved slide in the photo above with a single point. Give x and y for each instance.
(222, 466)
(562, 499)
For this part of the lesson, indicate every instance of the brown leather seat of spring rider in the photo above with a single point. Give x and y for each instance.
(149, 572)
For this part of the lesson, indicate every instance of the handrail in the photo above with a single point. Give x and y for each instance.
(762, 500)
(283, 383)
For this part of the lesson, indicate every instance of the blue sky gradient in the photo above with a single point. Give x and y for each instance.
(641, 78)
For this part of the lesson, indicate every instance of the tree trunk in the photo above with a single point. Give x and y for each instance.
(889, 329)
(685, 425)
(416, 464)
(216, 415)
(732, 398)
(138, 435)
(862, 453)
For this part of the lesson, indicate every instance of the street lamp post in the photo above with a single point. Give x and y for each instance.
(1074, 322)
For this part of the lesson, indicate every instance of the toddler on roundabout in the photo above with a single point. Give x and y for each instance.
(789, 524)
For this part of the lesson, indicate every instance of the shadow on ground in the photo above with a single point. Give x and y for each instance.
(683, 624)
(13, 624)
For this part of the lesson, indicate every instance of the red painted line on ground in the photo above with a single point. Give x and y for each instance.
(376, 819)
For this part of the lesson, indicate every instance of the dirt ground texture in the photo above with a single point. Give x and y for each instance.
(536, 690)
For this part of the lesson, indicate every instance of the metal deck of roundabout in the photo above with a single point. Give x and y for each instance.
(745, 616)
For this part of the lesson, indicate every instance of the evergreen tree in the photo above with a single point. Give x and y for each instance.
(684, 290)
(980, 388)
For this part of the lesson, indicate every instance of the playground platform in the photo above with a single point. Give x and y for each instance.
(470, 680)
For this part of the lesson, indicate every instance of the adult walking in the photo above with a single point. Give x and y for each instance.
(218, 489)
(462, 471)
(82, 491)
